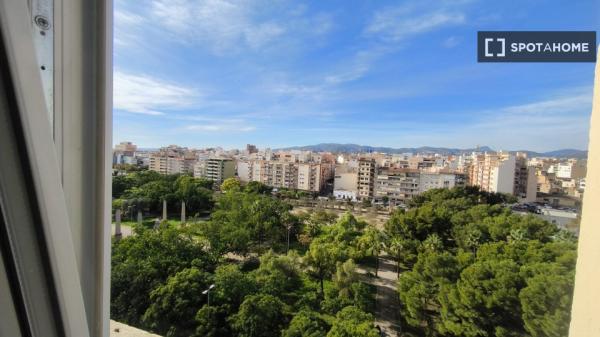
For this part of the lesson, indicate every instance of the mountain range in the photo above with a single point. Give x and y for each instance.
(355, 148)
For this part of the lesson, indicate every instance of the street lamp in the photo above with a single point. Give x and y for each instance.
(207, 293)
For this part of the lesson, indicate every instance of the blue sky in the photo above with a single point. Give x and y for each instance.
(279, 73)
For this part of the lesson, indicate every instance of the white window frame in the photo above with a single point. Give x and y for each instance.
(65, 165)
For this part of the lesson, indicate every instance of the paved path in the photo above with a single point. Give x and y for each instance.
(122, 330)
(388, 304)
(125, 230)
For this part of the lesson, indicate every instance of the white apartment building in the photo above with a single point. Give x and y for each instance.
(345, 183)
(503, 172)
(396, 185)
(243, 170)
(571, 169)
(200, 168)
(286, 173)
(164, 164)
(428, 181)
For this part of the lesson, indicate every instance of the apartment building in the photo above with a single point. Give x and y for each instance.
(503, 172)
(399, 185)
(345, 182)
(172, 160)
(431, 180)
(282, 174)
(309, 177)
(547, 183)
(525, 185)
(165, 164)
(200, 169)
(571, 169)
(250, 149)
(286, 172)
(127, 148)
(215, 169)
(493, 172)
(366, 178)
(124, 153)
(242, 170)
(396, 185)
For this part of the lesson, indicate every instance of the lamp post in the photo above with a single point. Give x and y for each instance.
(207, 293)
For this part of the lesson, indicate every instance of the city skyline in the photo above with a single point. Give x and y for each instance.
(358, 148)
(384, 74)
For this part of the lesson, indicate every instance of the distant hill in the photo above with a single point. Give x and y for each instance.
(564, 153)
(355, 148)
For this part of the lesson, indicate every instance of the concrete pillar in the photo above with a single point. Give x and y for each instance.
(118, 233)
(182, 211)
(164, 214)
(139, 217)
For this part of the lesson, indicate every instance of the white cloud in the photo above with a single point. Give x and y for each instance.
(147, 95)
(224, 127)
(227, 26)
(123, 17)
(394, 24)
(558, 105)
(451, 42)
(561, 121)
(220, 24)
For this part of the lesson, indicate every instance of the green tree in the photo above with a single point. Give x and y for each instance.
(403, 251)
(484, 301)
(321, 259)
(260, 316)
(546, 301)
(257, 188)
(153, 191)
(242, 220)
(419, 288)
(120, 184)
(143, 262)
(279, 275)
(370, 243)
(230, 184)
(348, 290)
(345, 275)
(176, 302)
(232, 285)
(307, 323)
(195, 192)
(353, 322)
(211, 321)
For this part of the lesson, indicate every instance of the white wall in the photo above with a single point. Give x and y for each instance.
(503, 180)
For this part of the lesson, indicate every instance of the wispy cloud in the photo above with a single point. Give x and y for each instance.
(224, 127)
(451, 42)
(226, 26)
(147, 95)
(123, 17)
(126, 25)
(222, 24)
(394, 24)
(562, 118)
